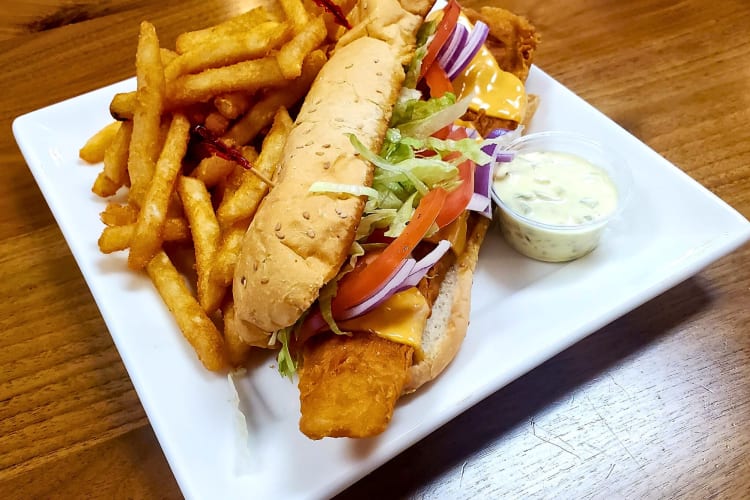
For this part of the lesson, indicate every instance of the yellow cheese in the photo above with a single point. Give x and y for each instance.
(400, 319)
(498, 93)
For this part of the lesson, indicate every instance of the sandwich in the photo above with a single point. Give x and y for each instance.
(359, 262)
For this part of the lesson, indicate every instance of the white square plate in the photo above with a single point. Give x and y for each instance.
(672, 228)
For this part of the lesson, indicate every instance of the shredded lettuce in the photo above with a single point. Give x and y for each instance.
(377, 218)
(352, 189)
(401, 179)
(425, 124)
(424, 35)
(327, 293)
(285, 361)
(403, 216)
(411, 107)
(470, 149)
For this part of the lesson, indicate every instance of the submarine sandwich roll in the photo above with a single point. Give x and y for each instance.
(359, 262)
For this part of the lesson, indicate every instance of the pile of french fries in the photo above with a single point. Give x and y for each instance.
(182, 219)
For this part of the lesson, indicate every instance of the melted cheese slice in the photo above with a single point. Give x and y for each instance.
(400, 319)
(498, 93)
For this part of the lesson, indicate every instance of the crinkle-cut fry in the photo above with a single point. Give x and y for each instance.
(115, 214)
(147, 237)
(293, 53)
(296, 13)
(117, 238)
(349, 385)
(242, 203)
(196, 326)
(149, 103)
(93, 150)
(232, 48)
(222, 268)
(237, 349)
(261, 114)
(247, 76)
(191, 40)
(114, 175)
(232, 105)
(206, 238)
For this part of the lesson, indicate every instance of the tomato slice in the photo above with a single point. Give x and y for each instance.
(363, 281)
(459, 198)
(442, 33)
(438, 81)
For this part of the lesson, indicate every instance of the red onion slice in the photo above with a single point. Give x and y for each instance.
(429, 260)
(381, 295)
(479, 203)
(497, 132)
(475, 41)
(449, 51)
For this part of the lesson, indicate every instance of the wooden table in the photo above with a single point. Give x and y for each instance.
(654, 405)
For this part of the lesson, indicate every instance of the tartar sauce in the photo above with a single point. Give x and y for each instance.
(560, 197)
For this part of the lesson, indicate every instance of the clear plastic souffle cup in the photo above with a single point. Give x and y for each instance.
(557, 196)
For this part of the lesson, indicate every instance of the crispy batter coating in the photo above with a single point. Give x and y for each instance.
(512, 41)
(349, 385)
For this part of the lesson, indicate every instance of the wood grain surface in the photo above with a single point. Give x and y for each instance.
(655, 405)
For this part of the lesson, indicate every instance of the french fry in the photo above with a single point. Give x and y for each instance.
(292, 54)
(248, 76)
(103, 186)
(192, 40)
(114, 175)
(232, 105)
(236, 348)
(253, 43)
(167, 56)
(116, 238)
(225, 260)
(144, 143)
(206, 238)
(122, 105)
(115, 214)
(188, 230)
(149, 226)
(229, 184)
(196, 326)
(262, 113)
(242, 203)
(213, 169)
(296, 13)
(93, 150)
(216, 123)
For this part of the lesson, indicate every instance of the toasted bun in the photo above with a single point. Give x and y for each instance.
(298, 240)
(446, 327)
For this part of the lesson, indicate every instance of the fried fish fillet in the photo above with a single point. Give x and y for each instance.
(512, 39)
(349, 385)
